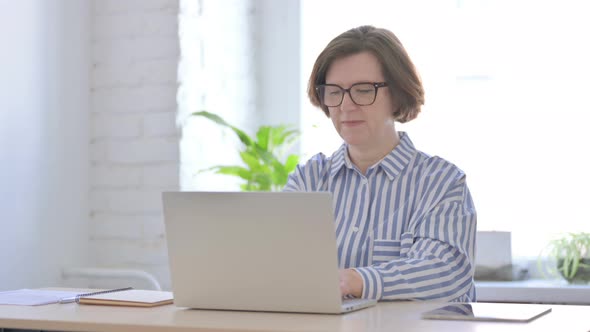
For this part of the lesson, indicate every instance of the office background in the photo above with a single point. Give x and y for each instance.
(94, 93)
(89, 126)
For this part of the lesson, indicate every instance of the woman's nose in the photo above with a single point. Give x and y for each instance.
(347, 103)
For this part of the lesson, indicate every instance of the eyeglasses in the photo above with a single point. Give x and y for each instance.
(362, 94)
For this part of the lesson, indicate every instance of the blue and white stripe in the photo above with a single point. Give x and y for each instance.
(407, 226)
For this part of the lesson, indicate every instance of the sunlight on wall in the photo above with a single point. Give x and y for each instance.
(216, 74)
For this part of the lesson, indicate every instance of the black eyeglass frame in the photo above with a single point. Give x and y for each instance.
(376, 85)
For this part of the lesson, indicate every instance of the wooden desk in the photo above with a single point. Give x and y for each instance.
(387, 316)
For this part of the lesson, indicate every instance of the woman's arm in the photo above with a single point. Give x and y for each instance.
(436, 255)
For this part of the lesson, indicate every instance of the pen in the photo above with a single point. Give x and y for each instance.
(75, 298)
(68, 299)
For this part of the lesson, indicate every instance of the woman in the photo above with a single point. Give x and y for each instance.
(405, 221)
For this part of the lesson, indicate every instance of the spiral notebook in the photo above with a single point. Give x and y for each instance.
(121, 297)
(127, 297)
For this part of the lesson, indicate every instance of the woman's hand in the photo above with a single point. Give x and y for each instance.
(351, 283)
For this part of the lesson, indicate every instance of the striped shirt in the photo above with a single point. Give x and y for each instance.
(407, 226)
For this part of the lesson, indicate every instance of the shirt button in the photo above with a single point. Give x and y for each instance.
(355, 229)
(364, 181)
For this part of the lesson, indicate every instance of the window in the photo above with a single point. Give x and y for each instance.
(506, 100)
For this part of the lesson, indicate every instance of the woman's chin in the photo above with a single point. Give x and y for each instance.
(354, 140)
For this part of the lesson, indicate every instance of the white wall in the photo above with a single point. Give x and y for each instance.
(278, 61)
(134, 141)
(43, 140)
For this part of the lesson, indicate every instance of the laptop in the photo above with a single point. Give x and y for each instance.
(254, 251)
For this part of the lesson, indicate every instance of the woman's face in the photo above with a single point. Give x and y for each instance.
(361, 126)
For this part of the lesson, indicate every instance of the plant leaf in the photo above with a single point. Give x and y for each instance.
(263, 180)
(242, 172)
(244, 138)
(291, 163)
(210, 169)
(267, 157)
(251, 159)
(280, 175)
(282, 135)
(262, 137)
(264, 169)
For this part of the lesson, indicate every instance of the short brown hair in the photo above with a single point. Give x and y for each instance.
(400, 73)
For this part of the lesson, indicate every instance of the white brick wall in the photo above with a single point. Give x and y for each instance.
(134, 144)
(147, 97)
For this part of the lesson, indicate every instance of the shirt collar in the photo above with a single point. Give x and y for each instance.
(392, 164)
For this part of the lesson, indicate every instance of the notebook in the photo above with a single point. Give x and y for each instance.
(255, 251)
(34, 297)
(481, 311)
(121, 296)
(129, 298)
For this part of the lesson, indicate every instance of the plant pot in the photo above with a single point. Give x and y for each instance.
(582, 275)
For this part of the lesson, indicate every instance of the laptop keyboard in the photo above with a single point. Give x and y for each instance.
(352, 301)
(349, 304)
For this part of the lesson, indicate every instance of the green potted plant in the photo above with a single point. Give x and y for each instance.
(571, 255)
(266, 165)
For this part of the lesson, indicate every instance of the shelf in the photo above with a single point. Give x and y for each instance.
(532, 291)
